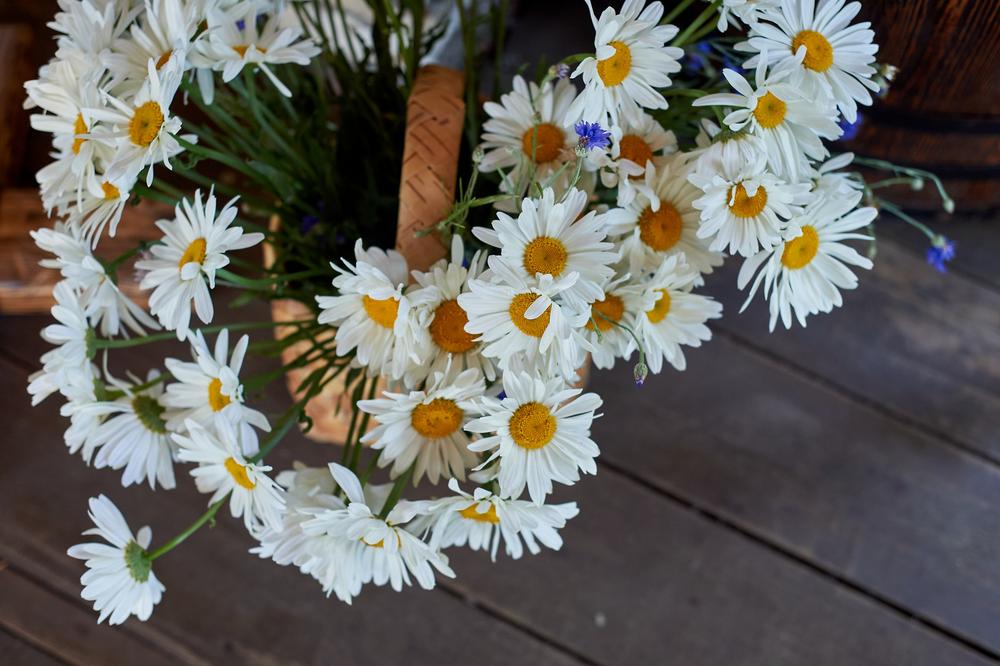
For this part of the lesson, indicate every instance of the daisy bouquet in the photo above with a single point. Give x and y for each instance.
(600, 197)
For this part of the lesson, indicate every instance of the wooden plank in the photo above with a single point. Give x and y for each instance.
(832, 482)
(17, 652)
(15, 44)
(640, 577)
(222, 604)
(65, 628)
(926, 346)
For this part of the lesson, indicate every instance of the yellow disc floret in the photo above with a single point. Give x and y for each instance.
(532, 426)
(382, 311)
(615, 69)
(744, 206)
(799, 252)
(533, 327)
(660, 230)
(544, 141)
(819, 51)
(438, 418)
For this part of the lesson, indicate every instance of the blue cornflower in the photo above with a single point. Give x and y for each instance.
(592, 135)
(850, 129)
(941, 250)
(562, 70)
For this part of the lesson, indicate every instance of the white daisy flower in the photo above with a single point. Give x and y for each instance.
(829, 180)
(744, 210)
(119, 578)
(80, 393)
(746, 11)
(142, 129)
(223, 470)
(211, 385)
(424, 428)
(791, 125)
(542, 434)
(164, 31)
(664, 225)
(234, 41)
(638, 150)
(133, 434)
(182, 269)
(670, 315)
(804, 275)
(482, 520)
(372, 313)
(446, 342)
(98, 206)
(603, 330)
(106, 307)
(717, 150)
(555, 239)
(88, 27)
(72, 333)
(376, 550)
(829, 58)
(528, 133)
(521, 325)
(631, 61)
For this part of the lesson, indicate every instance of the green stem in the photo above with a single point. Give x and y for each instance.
(191, 529)
(913, 222)
(170, 335)
(397, 490)
(265, 283)
(676, 11)
(682, 39)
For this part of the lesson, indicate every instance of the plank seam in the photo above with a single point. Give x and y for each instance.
(957, 270)
(776, 547)
(37, 646)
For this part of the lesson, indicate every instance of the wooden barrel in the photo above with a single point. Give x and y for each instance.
(942, 113)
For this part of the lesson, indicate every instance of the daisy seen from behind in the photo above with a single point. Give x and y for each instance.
(181, 269)
(631, 61)
(211, 385)
(223, 471)
(539, 432)
(119, 577)
(804, 275)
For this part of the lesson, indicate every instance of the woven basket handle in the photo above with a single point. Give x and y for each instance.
(434, 116)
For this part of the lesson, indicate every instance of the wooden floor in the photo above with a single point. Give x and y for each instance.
(825, 496)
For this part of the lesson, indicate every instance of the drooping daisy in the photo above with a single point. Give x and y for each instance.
(71, 333)
(119, 578)
(746, 11)
(665, 225)
(482, 520)
(521, 325)
(211, 385)
(79, 391)
(234, 41)
(528, 132)
(376, 550)
(745, 210)
(133, 434)
(541, 434)
(631, 61)
(223, 470)
(372, 312)
(638, 150)
(830, 58)
(142, 130)
(182, 269)
(791, 125)
(671, 315)
(424, 428)
(438, 313)
(106, 307)
(555, 239)
(804, 275)
(164, 31)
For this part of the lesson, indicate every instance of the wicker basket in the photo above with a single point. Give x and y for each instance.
(434, 116)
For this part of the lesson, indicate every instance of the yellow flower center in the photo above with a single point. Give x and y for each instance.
(661, 308)
(742, 205)
(533, 327)
(216, 400)
(605, 313)
(547, 141)
(613, 70)
(239, 473)
(79, 127)
(819, 51)
(194, 252)
(164, 59)
(448, 328)
(490, 516)
(382, 311)
(145, 124)
(439, 418)
(532, 426)
(770, 111)
(633, 148)
(660, 230)
(800, 251)
(545, 255)
(110, 191)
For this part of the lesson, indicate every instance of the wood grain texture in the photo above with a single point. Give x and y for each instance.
(15, 651)
(15, 47)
